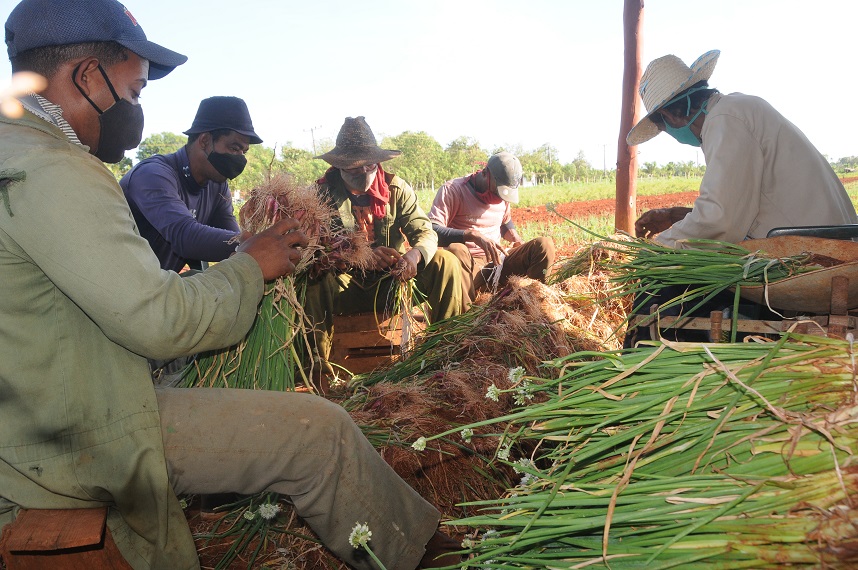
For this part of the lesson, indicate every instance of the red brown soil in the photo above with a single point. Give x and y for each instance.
(576, 210)
(584, 209)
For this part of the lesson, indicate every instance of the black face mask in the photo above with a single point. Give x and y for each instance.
(121, 124)
(229, 165)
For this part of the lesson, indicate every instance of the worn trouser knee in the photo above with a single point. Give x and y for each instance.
(441, 281)
(466, 260)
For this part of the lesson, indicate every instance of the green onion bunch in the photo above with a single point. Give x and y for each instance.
(703, 268)
(681, 456)
(272, 356)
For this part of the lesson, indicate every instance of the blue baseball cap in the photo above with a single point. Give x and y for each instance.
(41, 23)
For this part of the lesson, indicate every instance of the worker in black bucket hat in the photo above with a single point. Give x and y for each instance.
(182, 202)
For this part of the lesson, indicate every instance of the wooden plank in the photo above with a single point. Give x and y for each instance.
(72, 539)
(361, 339)
(41, 529)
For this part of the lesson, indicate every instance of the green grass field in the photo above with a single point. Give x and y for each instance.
(579, 191)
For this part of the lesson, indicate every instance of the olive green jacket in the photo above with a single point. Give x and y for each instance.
(83, 302)
(403, 219)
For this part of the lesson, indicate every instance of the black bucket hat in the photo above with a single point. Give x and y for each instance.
(356, 146)
(224, 113)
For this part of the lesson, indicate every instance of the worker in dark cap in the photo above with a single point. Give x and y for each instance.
(181, 201)
(83, 303)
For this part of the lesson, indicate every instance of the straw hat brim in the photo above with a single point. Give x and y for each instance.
(355, 157)
(701, 70)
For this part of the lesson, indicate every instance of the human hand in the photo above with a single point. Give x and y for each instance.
(406, 267)
(657, 220)
(494, 252)
(276, 249)
(385, 257)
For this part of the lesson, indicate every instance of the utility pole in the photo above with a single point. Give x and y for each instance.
(627, 159)
(312, 131)
(604, 162)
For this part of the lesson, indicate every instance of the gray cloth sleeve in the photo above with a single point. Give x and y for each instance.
(446, 235)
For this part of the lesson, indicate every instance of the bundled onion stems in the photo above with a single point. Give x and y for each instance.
(703, 268)
(272, 356)
(683, 456)
(403, 298)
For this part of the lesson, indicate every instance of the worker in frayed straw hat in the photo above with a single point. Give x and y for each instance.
(385, 207)
(473, 213)
(181, 201)
(761, 171)
(84, 302)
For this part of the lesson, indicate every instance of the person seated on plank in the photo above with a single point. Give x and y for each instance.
(385, 207)
(84, 302)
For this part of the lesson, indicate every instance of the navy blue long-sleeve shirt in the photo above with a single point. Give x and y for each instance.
(182, 221)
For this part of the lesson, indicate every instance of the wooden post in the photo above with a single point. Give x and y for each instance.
(627, 162)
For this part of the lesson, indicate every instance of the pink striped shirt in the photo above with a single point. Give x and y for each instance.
(457, 207)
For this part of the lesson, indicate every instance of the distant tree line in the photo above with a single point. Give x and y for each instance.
(425, 163)
(845, 165)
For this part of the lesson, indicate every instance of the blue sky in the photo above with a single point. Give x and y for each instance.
(505, 72)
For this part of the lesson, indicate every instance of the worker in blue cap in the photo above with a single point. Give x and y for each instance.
(84, 302)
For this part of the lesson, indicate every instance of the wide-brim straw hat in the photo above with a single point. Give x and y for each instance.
(664, 79)
(356, 146)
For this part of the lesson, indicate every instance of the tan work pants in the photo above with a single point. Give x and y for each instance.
(300, 445)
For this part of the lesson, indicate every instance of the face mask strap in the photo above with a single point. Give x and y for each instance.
(85, 96)
(687, 94)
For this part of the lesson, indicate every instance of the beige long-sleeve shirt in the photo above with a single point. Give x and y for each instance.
(761, 173)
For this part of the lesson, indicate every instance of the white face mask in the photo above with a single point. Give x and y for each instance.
(359, 182)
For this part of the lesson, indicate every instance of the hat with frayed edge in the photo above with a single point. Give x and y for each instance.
(663, 80)
(224, 113)
(42, 23)
(356, 146)
(505, 169)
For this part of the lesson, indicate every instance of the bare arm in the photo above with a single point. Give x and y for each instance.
(657, 220)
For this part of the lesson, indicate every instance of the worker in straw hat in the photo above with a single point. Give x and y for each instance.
(385, 207)
(761, 171)
(84, 302)
(472, 214)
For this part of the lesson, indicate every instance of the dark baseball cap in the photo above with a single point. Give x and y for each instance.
(224, 113)
(506, 170)
(42, 23)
